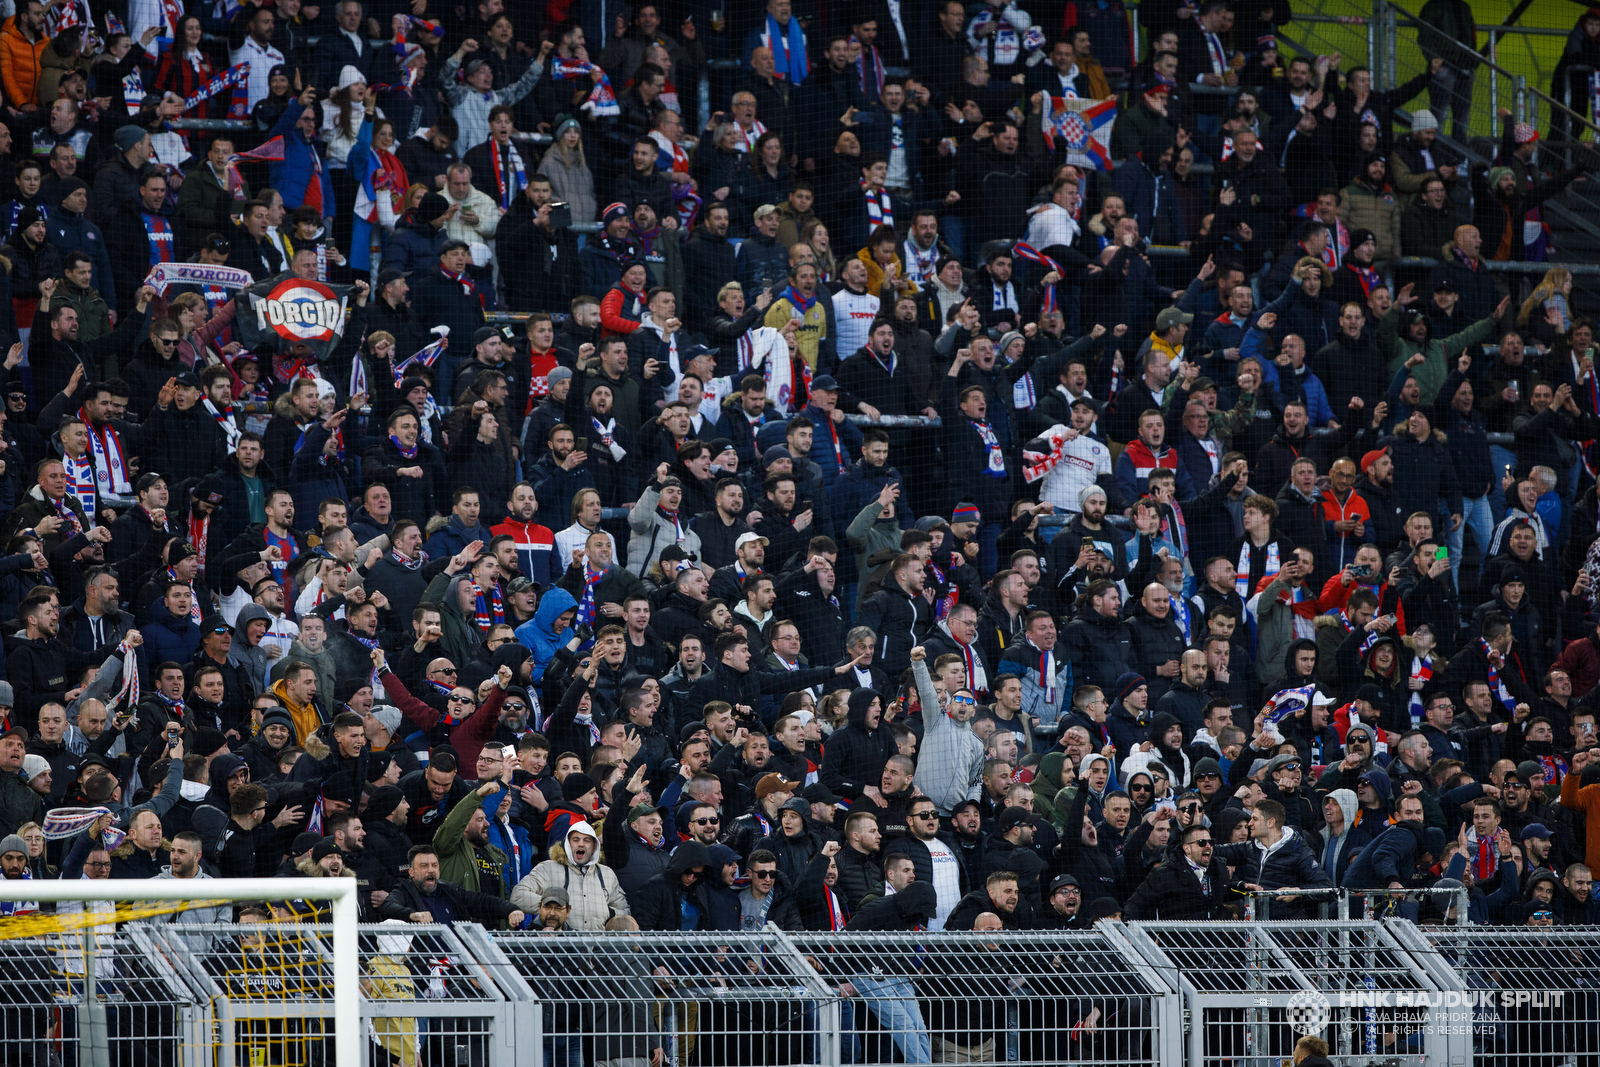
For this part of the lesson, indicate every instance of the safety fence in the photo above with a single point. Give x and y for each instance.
(1136, 994)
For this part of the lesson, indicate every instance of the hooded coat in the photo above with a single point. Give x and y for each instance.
(592, 887)
(855, 756)
(660, 903)
(539, 635)
(1391, 857)
(252, 658)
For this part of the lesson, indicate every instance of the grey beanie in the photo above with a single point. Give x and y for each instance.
(13, 843)
(7, 695)
(558, 374)
(389, 717)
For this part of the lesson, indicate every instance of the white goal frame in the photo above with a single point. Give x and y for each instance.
(348, 1030)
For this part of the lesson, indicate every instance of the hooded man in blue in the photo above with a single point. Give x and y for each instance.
(549, 629)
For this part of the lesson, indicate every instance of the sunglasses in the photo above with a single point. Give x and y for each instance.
(1204, 842)
(963, 700)
(17, 398)
(763, 874)
(1544, 915)
(514, 706)
(1141, 789)
(1217, 776)
(462, 700)
(1290, 767)
(925, 815)
(713, 821)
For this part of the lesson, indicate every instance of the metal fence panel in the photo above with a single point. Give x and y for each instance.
(1530, 996)
(613, 998)
(1031, 998)
(425, 997)
(1253, 988)
(132, 1010)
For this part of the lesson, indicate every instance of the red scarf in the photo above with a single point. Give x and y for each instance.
(468, 287)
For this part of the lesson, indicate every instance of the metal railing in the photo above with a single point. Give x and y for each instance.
(1137, 994)
(1340, 903)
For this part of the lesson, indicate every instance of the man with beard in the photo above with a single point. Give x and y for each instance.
(462, 844)
(898, 614)
(422, 897)
(40, 664)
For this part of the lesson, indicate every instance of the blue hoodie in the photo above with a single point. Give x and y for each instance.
(538, 636)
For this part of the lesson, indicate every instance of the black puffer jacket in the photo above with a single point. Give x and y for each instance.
(1153, 642)
(1100, 648)
(658, 903)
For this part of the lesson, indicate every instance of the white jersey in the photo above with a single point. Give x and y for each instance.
(1083, 459)
(854, 314)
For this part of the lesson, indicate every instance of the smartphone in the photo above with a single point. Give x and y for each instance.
(1441, 553)
(1361, 570)
(805, 505)
(580, 444)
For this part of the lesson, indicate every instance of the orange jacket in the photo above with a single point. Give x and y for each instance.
(20, 65)
(1585, 799)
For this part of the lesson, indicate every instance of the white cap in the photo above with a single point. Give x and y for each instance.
(34, 765)
(746, 538)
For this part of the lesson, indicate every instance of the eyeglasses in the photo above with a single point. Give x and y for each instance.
(98, 863)
(713, 821)
(763, 874)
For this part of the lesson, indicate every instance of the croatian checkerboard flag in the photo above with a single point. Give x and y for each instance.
(1084, 126)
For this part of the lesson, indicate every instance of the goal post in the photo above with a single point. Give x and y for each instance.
(340, 892)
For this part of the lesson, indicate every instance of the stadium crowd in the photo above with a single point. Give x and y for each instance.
(650, 607)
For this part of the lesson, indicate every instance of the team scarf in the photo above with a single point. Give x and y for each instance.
(788, 50)
(509, 177)
(995, 467)
(20, 907)
(426, 355)
(1241, 581)
(199, 530)
(1485, 857)
(801, 302)
(748, 138)
(1005, 45)
(68, 16)
(1369, 278)
(226, 423)
(686, 206)
(1047, 676)
(194, 598)
(1023, 250)
(81, 482)
(921, 266)
(586, 605)
(1420, 668)
(1555, 768)
(236, 78)
(866, 77)
(673, 518)
(1286, 702)
(401, 561)
(128, 695)
(405, 453)
(880, 208)
(468, 286)
(1497, 684)
(607, 433)
(1180, 612)
(488, 609)
(61, 824)
(1036, 465)
(602, 99)
(370, 644)
(945, 604)
(111, 467)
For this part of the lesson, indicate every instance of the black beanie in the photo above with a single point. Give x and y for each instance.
(576, 785)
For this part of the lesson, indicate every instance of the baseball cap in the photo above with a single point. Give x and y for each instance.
(746, 538)
(1536, 829)
(555, 895)
(774, 783)
(824, 381)
(1170, 317)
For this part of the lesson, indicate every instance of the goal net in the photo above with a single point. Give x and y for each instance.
(142, 973)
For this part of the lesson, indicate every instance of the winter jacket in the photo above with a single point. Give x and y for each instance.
(1391, 857)
(592, 887)
(855, 756)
